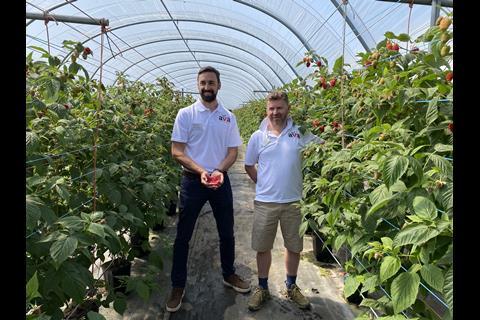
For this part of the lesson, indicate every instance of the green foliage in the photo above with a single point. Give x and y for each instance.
(381, 185)
(249, 118)
(136, 177)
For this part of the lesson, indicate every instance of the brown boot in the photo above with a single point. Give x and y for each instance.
(258, 298)
(236, 283)
(175, 300)
(295, 294)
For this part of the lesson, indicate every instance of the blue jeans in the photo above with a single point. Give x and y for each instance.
(193, 196)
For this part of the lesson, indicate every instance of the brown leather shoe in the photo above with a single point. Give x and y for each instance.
(175, 300)
(236, 283)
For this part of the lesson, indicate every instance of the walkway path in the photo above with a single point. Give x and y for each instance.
(207, 298)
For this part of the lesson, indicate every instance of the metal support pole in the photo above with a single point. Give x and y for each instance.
(443, 3)
(54, 7)
(434, 17)
(367, 45)
(435, 12)
(72, 19)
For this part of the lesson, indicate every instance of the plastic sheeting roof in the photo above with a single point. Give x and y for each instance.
(254, 44)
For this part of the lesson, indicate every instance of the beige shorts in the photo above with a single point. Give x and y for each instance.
(265, 224)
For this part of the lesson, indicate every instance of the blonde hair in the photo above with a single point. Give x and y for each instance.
(277, 95)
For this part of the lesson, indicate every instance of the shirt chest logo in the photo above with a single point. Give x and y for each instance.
(224, 118)
(294, 134)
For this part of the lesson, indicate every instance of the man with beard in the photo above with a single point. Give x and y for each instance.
(205, 140)
(276, 148)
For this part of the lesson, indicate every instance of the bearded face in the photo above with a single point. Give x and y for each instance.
(208, 86)
(208, 95)
(277, 112)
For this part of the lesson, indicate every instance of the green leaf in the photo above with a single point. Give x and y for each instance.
(414, 268)
(74, 287)
(369, 303)
(338, 66)
(55, 235)
(416, 149)
(62, 192)
(148, 190)
(448, 288)
(416, 167)
(380, 193)
(34, 211)
(52, 87)
(142, 289)
(63, 248)
(394, 168)
(443, 147)
(73, 223)
(303, 228)
(447, 196)
(432, 111)
(387, 243)
(389, 35)
(398, 186)
(114, 196)
(377, 206)
(339, 240)
(370, 283)
(48, 215)
(414, 234)
(442, 163)
(92, 315)
(403, 37)
(415, 218)
(35, 180)
(113, 168)
(73, 68)
(447, 258)
(424, 208)
(32, 287)
(389, 267)
(97, 215)
(120, 305)
(443, 88)
(433, 276)
(39, 49)
(404, 290)
(394, 317)
(97, 229)
(114, 244)
(351, 285)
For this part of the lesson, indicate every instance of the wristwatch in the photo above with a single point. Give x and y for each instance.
(222, 171)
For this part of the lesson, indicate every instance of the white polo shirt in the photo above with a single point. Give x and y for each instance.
(207, 134)
(279, 172)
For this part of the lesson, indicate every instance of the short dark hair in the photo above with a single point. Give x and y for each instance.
(277, 95)
(209, 69)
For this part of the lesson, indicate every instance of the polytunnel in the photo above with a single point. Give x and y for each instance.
(256, 43)
(369, 84)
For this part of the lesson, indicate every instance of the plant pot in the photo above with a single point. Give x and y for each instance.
(140, 246)
(356, 298)
(322, 254)
(172, 208)
(117, 268)
(73, 312)
(159, 226)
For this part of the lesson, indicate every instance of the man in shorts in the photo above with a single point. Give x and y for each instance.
(276, 149)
